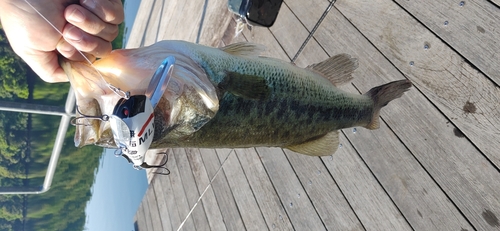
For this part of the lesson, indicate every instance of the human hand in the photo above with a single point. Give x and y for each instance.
(89, 26)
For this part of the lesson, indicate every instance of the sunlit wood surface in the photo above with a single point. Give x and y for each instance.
(432, 165)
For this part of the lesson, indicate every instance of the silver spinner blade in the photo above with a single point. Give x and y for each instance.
(160, 80)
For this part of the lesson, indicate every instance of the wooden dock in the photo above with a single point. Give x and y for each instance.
(433, 164)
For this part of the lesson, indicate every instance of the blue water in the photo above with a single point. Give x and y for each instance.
(116, 195)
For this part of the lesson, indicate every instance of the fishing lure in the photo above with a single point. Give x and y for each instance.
(132, 121)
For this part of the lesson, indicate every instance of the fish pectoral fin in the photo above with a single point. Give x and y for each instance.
(246, 86)
(323, 146)
(244, 49)
(338, 69)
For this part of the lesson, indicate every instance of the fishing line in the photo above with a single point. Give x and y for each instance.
(313, 30)
(116, 90)
(204, 191)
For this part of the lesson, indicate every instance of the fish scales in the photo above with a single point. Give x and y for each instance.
(301, 105)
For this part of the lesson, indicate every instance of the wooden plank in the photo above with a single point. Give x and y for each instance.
(165, 19)
(455, 164)
(222, 190)
(140, 24)
(384, 154)
(147, 213)
(216, 21)
(199, 216)
(463, 94)
(164, 188)
(472, 29)
(496, 2)
(160, 19)
(154, 157)
(223, 154)
(372, 205)
(154, 212)
(242, 193)
(180, 196)
(282, 26)
(300, 210)
(140, 218)
(424, 205)
(262, 36)
(182, 20)
(330, 203)
(151, 33)
(269, 203)
(210, 205)
(230, 34)
(306, 12)
(161, 201)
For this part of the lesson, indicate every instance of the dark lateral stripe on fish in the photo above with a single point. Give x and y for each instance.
(284, 109)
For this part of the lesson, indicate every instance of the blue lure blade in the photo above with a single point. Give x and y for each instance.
(160, 80)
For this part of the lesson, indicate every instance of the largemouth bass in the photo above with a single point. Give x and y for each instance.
(230, 98)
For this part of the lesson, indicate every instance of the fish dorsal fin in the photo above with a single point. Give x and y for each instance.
(244, 49)
(323, 146)
(338, 69)
(246, 86)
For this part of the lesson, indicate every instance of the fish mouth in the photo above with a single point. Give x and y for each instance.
(88, 90)
(131, 70)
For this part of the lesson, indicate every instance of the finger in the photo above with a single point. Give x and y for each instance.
(110, 11)
(85, 42)
(90, 23)
(69, 51)
(46, 66)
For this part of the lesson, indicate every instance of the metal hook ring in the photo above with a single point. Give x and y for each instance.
(119, 92)
(118, 152)
(137, 167)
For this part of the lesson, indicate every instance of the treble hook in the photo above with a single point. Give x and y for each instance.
(162, 165)
(74, 121)
(145, 165)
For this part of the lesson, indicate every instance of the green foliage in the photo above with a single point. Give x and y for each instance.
(49, 93)
(10, 212)
(118, 42)
(12, 71)
(12, 148)
(63, 206)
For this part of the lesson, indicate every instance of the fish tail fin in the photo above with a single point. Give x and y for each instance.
(382, 95)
